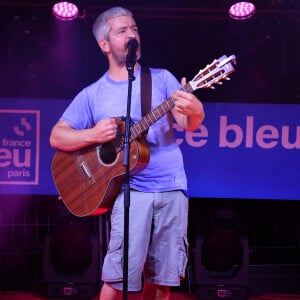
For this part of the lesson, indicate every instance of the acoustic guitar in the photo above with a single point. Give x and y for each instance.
(89, 180)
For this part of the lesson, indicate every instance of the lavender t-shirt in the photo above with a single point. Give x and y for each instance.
(108, 98)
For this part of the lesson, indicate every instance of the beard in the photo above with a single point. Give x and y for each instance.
(120, 58)
(119, 54)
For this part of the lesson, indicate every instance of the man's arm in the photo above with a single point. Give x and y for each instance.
(66, 138)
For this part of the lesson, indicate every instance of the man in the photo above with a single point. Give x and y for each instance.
(158, 246)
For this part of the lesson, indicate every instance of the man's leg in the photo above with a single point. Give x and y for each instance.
(155, 292)
(109, 293)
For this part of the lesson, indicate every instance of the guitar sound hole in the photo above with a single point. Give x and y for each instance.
(107, 153)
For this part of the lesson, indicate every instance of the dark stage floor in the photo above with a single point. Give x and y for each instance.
(32, 296)
(174, 296)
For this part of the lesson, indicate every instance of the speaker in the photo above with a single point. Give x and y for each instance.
(221, 259)
(71, 261)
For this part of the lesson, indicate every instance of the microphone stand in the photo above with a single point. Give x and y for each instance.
(126, 163)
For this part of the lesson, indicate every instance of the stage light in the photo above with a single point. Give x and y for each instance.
(65, 11)
(242, 10)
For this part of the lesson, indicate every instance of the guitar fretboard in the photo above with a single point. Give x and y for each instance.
(212, 74)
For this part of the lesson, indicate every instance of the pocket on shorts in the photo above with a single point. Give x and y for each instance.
(183, 256)
(113, 270)
(115, 244)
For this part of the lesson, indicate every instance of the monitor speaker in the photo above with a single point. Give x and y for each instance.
(221, 258)
(71, 264)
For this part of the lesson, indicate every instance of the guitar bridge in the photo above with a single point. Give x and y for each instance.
(86, 172)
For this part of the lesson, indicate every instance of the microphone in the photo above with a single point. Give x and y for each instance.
(132, 46)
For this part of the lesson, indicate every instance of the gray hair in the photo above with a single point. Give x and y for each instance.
(101, 28)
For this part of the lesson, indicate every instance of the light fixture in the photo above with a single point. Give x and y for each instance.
(65, 11)
(242, 10)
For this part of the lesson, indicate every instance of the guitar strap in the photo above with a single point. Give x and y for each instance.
(146, 90)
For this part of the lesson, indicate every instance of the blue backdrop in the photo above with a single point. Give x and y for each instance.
(241, 150)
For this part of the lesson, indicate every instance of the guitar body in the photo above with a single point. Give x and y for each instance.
(89, 180)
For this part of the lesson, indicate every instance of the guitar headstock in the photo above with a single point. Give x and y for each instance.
(214, 73)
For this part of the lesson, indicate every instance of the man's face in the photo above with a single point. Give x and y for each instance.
(123, 29)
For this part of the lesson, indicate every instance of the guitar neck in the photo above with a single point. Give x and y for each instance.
(150, 118)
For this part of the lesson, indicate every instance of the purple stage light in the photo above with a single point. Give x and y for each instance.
(65, 10)
(242, 10)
